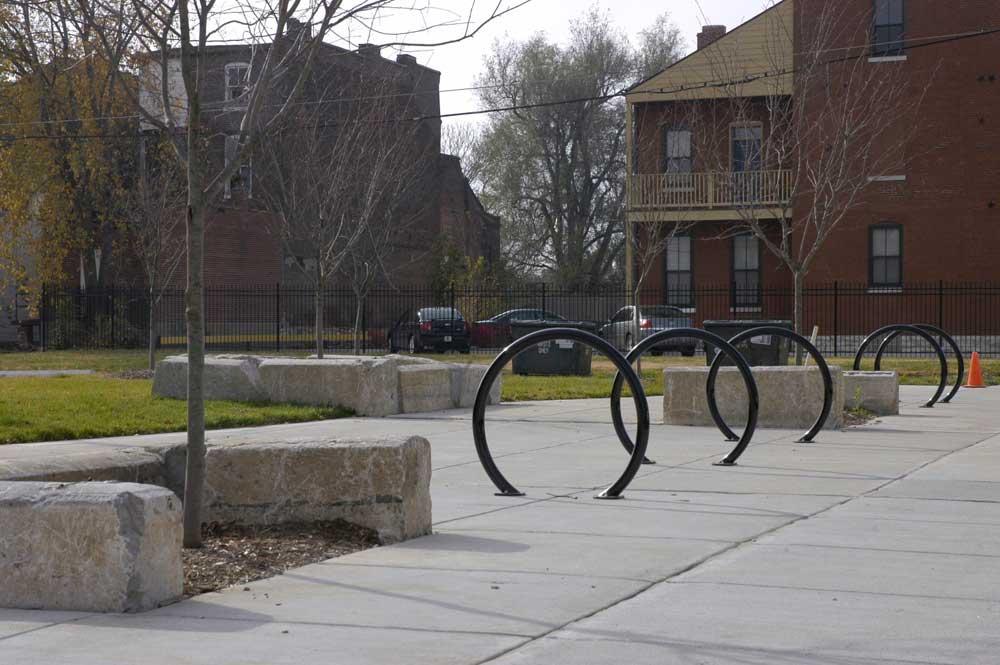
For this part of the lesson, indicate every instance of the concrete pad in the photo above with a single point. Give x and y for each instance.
(713, 624)
(247, 640)
(16, 622)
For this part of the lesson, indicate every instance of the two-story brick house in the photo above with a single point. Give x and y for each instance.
(243, 245)
(692, 161)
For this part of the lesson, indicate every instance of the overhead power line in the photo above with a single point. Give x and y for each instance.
(924, 42)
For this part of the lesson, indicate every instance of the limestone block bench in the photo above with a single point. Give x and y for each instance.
(877, 392)
(94, 547)
(790, 397)
(380, 484)
(370, 386)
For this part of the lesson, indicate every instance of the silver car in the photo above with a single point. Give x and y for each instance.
(624, 331)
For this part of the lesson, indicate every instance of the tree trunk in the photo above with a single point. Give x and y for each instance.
(152, 330)
(318, 307)
(357, 325)
(194, 478)
(799, 280)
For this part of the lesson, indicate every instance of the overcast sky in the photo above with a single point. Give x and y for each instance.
(460, 63)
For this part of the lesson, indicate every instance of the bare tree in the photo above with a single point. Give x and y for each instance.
(334, 173)
(395, 176)
(167, 43)
(152, 222)
(815, 146)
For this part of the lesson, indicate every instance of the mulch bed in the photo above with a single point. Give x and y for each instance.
(234, 554)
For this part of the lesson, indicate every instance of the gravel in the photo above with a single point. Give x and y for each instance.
(233, 554)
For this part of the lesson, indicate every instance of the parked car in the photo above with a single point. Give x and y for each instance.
(495, 331)
(429, 328)
(622, 330)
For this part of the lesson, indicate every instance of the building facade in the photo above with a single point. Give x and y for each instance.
(703, 160)
(243, 244)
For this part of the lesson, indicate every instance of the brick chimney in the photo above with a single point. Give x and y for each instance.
(369, 49)
(406, 59)
(710, 33)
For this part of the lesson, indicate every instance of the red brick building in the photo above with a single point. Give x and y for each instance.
(243, 246)
(693, 160)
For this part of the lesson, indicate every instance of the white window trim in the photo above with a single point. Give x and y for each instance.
(887, 58)
(229, 66)
(887, 178)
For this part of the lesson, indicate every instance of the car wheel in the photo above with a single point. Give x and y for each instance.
(656, 352)
(687, 352)
(392, 347)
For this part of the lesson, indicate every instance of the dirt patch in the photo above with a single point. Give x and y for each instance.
(856, 417)
(234, 554)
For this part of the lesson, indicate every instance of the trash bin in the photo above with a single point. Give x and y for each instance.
(760, 350)
(555, 357)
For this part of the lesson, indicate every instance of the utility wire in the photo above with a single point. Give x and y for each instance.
(933, 41)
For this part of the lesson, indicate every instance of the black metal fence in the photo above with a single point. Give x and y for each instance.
(273, 318)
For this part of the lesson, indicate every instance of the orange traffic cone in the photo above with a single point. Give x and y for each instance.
(975, 373)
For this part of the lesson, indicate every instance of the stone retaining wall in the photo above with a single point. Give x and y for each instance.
(790, 397)
(369, 386)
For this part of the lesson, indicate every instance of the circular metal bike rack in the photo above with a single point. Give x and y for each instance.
(638, 451)
(753, 402)
(934, 330)
(810, 348)
(913, 330)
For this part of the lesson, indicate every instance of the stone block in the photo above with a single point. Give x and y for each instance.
(425, 388)
(465, 380)
(368, 386)
(92, 547)
(877, 392)
(381, 484)
(790, 397)
(233, 378)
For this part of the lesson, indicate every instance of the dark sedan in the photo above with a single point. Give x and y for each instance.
(430, 328)
(494, 332)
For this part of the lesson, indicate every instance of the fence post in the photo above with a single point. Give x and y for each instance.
(113, 316)
(451, 298)
(42, 316)
(543, 299)
(836, 298)
(277, 316)
(940, 303)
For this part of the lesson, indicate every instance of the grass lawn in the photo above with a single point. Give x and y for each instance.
(76, 407)
(46, 409)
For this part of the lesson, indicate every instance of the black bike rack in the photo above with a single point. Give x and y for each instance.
(753, 403)
(913, 330)
(638, 451)
(811, 349)
(934, 330)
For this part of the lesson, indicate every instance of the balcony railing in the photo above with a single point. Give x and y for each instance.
(678, 191)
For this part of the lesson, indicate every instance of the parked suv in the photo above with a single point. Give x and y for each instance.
(624, 331)
(430, 328)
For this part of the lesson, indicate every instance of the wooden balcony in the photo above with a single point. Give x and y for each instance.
(709, 195)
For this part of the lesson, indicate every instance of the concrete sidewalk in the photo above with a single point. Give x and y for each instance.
(876, 544)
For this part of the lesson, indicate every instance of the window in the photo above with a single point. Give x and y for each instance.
(745, 147)
(237, 80)
(885, 242)
(746, 271)
(624, 314)
(679, 280)
(676, 150)
(242, 179)
(887, 36)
